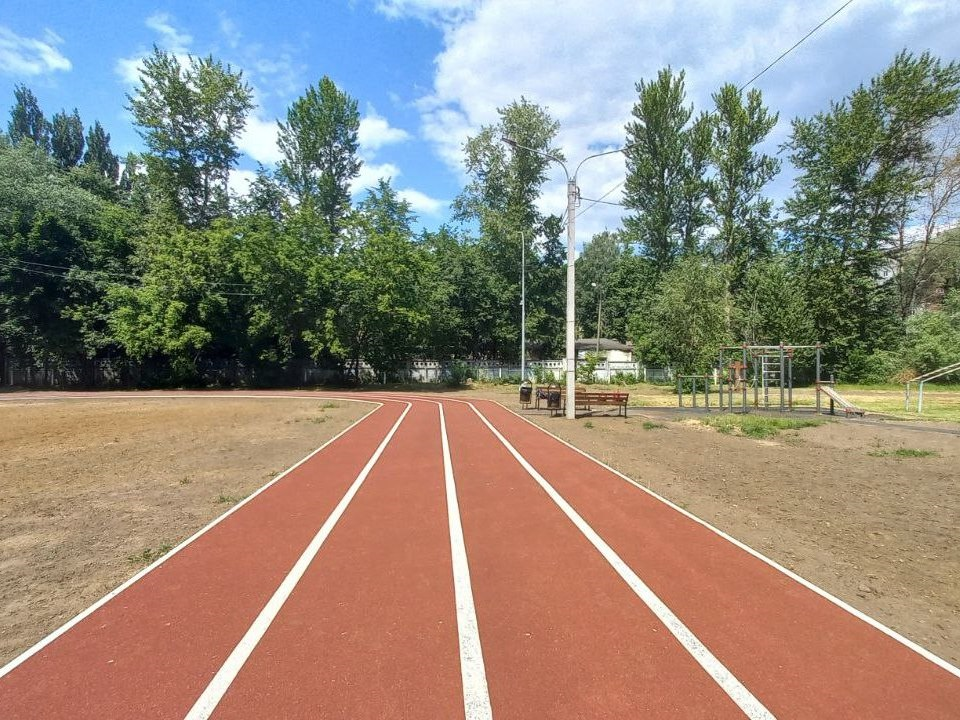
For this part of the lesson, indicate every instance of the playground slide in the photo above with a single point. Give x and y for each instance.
(848, 407)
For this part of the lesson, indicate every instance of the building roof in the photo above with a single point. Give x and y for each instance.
(605, 344)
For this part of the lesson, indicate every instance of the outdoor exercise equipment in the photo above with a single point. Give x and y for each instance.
(922, 379)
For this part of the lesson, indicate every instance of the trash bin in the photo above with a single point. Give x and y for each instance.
(553, 397)
(526, 392)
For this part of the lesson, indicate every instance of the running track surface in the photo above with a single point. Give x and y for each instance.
(444, 559)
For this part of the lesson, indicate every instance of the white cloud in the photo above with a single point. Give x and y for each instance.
(582, 63)
(371, 174)
(240, 180)
(169, 39)
(437, 11)
(230, 30)
(24, 56)
(421, 202)
(375, 131)
(259, 140)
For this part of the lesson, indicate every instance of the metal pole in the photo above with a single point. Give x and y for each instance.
(523, 308)
(782, 368)
(790, 382)
(743, 383)
(920, 397)
(599, 305)
(818, 378)
(571, 304)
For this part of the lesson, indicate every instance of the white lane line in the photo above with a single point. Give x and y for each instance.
(876, 624)
(213, 694)
(476, 697)
(40, 645)
(744, 699)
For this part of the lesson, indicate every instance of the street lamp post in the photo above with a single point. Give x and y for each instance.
(572, 195)
(523, 308)
(599, 306)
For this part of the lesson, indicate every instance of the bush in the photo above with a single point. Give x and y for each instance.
(542, 376)
(586, 371)
(878, 367)
(458, 373)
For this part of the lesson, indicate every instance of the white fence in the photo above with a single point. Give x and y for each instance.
(429, 371)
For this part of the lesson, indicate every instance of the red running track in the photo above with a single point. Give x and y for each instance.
(461, 563)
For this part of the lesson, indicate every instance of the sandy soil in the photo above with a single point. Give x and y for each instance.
(93, 490)
(879, 531)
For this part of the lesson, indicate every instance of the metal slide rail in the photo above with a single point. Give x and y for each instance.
(848, 407)
(921, 379)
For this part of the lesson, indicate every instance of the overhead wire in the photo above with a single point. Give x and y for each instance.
(19, 265)
(600, 200)
(795, 45)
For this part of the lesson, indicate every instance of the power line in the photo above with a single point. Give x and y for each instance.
(601, 198)
(11, 264)
(114, 274)
(796, 45)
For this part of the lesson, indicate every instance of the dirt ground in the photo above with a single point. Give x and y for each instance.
(877, 530)
(93, 490)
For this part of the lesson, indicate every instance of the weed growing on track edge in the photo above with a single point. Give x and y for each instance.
(229, 499)
(757, 426)
(149, 555)
(648, 425)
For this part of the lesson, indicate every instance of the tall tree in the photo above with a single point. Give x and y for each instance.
(66, 139)
(859, 167)
(501, 198)
(666, 161)
(685, 320)
(26, 120)
(319, 145)
(98, 155)
(595, 268)
(379, 311)
(190, 118)
(386, 210)
(744, 218)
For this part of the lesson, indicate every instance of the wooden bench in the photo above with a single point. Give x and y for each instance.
(584, 400)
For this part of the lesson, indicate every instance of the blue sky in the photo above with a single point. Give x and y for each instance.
(428, 73)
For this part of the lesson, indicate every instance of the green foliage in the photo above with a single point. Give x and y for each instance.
(687, 318)
(66, 139)
(379, 312)
(771, 307)
(98, 155)
(458, 373)
(858, 168)
(879, 366)
(185, 302)
(149, 555)
(933, 337)
(758, 427)
(903, 453)
(586, 370)
(59, 248)
(319, 145)
(743, 217)
(595, 268)
(189, 118)
(27, 123)
(501, 197)
(666, 164)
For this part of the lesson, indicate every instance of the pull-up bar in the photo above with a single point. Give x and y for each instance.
(920, 380)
